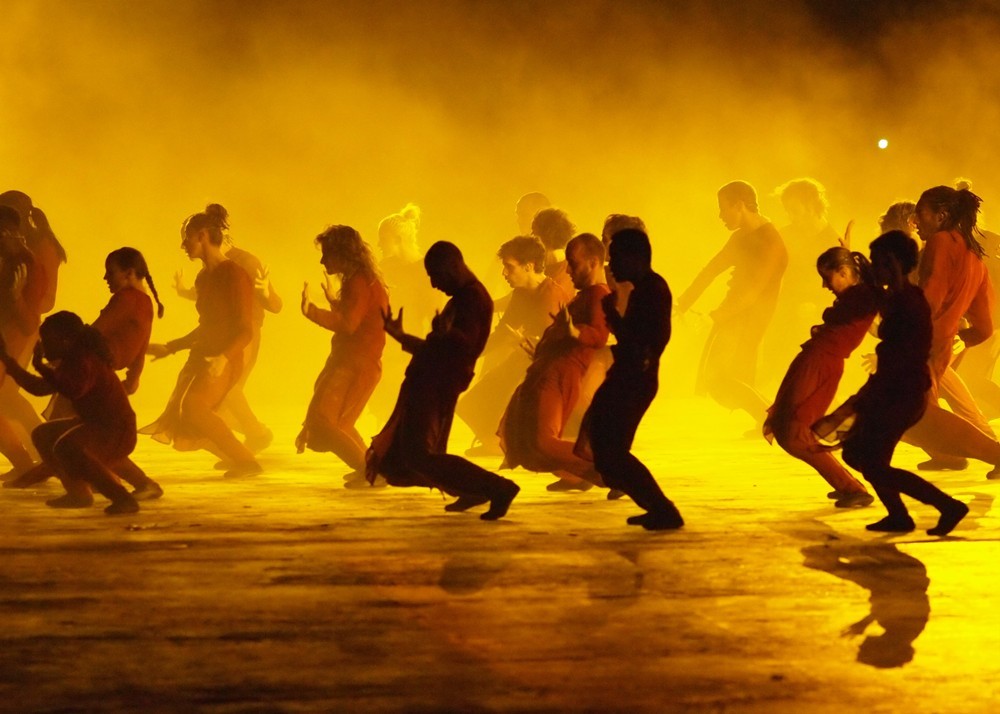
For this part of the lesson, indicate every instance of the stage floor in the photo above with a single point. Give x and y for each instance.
(287, 593)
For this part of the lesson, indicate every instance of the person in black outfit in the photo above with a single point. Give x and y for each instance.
(619, 404)
(410, 449)
(895, 397)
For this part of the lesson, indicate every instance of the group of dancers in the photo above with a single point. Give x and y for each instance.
(552, 396)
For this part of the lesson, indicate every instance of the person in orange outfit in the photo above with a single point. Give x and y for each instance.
(757, 257)
(90, 444)
(811, 382)
(534, 300)
(411, 448)
(225, 328)
(532, 428)
(354, 366)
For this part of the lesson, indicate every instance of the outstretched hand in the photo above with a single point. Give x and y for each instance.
(393, 325)
(305, 299)
(179, 286)
(262, 281)
(328, 291)
(158, 351)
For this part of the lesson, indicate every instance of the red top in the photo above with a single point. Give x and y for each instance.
(588, 317)
(225, 313)
(355, 319)
(91, 384)
(845, 323)
(126, 323)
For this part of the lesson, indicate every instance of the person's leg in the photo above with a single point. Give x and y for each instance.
(942, 432)
(469, 482)
(553, 402)
(45, 436)
(78, 452)
(797, 439)
(197, 414)
(146, 489)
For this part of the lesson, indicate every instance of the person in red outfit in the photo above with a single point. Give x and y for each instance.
(90, 444)
(534, 300)
(810, 384)
(757, 257)
(215, 361)
(610, 424)
(531, 432)
(411, 448)
(354, 366)
(126, 323)
(895, 396)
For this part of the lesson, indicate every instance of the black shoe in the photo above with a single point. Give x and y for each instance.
(951, 514)
(70, 501)
(148, 492)
(994, 473)
(944, 463)
(122, 507)
(464, 503)
(836, 495)
(663, 520)
(614, 494)
(501, 501)
(855, 500)
(37, 474)
(637, 520)
(892, 524)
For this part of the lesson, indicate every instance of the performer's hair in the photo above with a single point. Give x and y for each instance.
(525, 250)
(214, 219)
(131, 259)
(740, 191)
(591, 245)
(897, 217)
(832, 259)
(960, 206)
(69, 325)
(633, 242)
(900, 245)
(34, 223)
(618, 222)
(809, 192)
(346, 243)
(400, 230)
(553, 227)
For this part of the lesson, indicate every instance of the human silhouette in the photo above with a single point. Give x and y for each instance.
(411, 448)
(610, 423)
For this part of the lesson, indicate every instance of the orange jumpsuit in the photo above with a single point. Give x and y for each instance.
(532, 427)
(811, 383)
(225, 328)
(354, 366)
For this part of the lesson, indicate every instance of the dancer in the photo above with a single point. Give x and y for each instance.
(235, 409)
(610, 423)
(531, 431)
(23, 287)
(125, 323)
(757, 257)
(553, 228)
(535, 299)
(410, 449)
(89, 445)
(225, 328)
(895, 396)
(354, 366)
(811, 382)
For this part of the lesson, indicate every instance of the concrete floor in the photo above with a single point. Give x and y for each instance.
(287, 593)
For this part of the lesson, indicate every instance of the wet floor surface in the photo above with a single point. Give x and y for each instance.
(287, 593)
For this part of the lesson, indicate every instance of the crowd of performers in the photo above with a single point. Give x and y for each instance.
(552, 395)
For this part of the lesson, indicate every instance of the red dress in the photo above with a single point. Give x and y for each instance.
(532, 427)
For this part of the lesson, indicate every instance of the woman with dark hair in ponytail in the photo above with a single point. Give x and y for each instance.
(126, 323)
(101, 434)
(215, 362)
(895, 397)
(812, 379)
